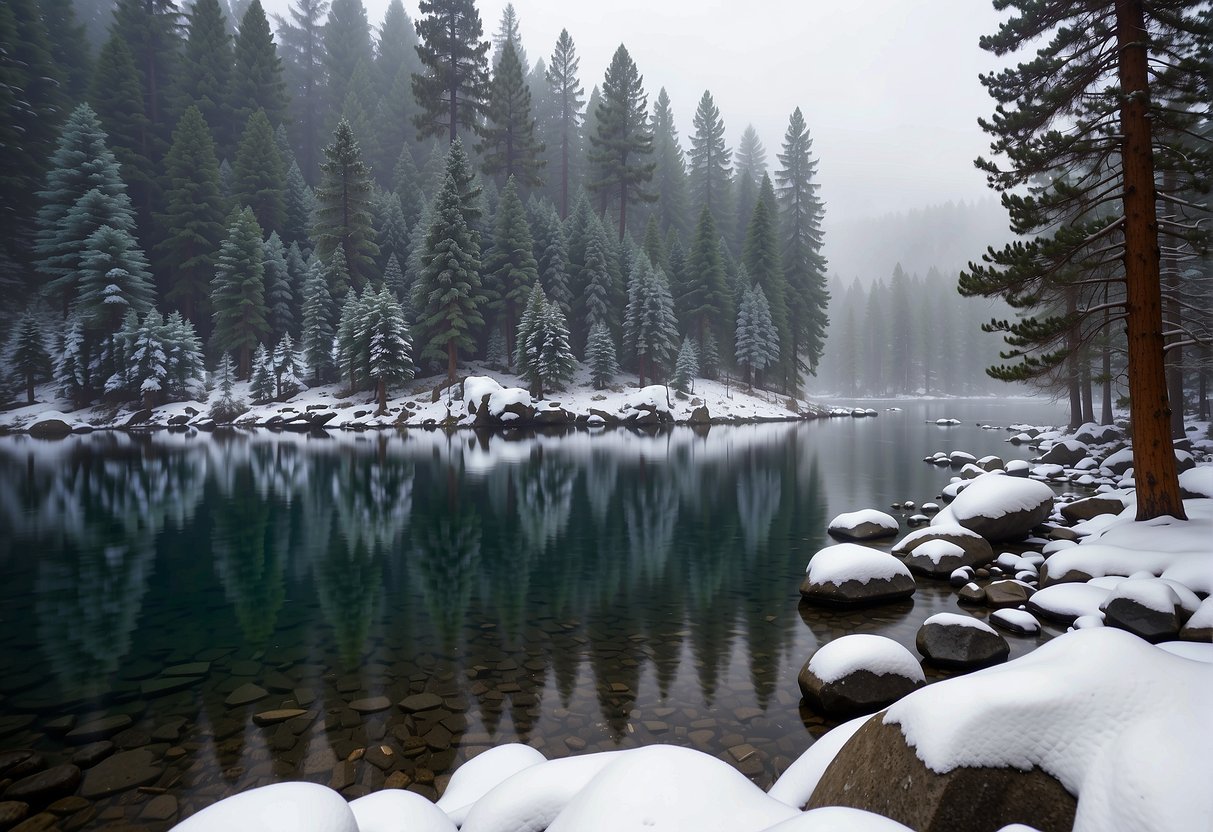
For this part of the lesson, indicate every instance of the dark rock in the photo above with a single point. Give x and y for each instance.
(1152, 625)
(45, 786)
(20, 762)
(1007, 593)
(99, 729)
(866, 530)
(875, 591)
(877, 771)
(699, 416)
(12, 812)
(859, 692)
(137, 418)
(1091, 507)
(119, 773)
(89, 755)
(166, 684)
(971, 593)
(50, 428)
(371, 705)
(161, 807)
(179, 420)
(274, 717)
(246, 694)
(44, 822)
(1067, 453)
(421, 702)
(977, 551)
(960, 645)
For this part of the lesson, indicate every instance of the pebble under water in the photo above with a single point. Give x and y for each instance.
(185, 617)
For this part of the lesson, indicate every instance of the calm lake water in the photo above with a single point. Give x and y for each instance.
(578, 592)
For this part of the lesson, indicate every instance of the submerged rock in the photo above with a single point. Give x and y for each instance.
(851, 574)
(857, 674)
(960, 641)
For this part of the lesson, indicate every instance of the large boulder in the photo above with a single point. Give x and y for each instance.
(50, 428)
(1149, 608)
(968, 548)
(852, 574)
(857, 674)
(1065, 452)
(960, 641)
(1090, 507)
(867, 524)
(999, 507)
(879, 772)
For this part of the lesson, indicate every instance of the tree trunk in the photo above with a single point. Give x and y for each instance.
(382, 395)
(1084, 376)
(642, 368)
(1202, 390)
(1106, 417)
(1153, 453)
(246, 359)
(29, 388)
(450, 361)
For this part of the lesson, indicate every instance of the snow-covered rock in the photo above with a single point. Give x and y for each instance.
(1200, 624)
(848, 573)
(397, 810)
(867, 524)
(964, 547)
(960, 641)
(1019, 622)
(1147, 607)
(481, 774)
(859, 673)
(999, 507)
(1066, 452)
(281, 807)
(533, 797)
(1067, 602)
(1197, 482)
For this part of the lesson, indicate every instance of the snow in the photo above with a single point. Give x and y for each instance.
(666, 787)
(863, 651)
(852, 520)
(484, 772)
(937, 550)
(1020, 619)
(994, 496)
(1132, 745)
(1071, 600)
(951, 529)
(1198, 480)
(839, 819)
(851, 562)
(532, 798)
(952, 619)
(281, 807)
(1203, 617)
(795, 786)
(397, 810)
(1197, 651)
(1150, 593)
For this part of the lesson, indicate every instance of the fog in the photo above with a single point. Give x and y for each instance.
(889, 89)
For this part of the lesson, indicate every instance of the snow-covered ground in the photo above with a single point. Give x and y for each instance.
(417, 404)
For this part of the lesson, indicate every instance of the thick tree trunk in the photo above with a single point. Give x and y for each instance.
(1105, 417)
(1202, 390)
(29, 388)
(382, 396)
(642, 369)
(451, 365)
(1153, 453)
(1088, 402)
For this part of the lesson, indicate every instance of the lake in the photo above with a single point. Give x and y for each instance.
(232, 610)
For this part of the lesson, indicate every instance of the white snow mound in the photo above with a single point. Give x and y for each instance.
(532, 798)
(281, 807)
(864, 651)
(795, 786)
(854, 519)
(1198, 480)
(953, 619)
(839, 819)
(994, 496)
(397, 810)
(483, 773)
(851, 562)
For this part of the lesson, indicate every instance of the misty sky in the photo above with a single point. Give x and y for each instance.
(889, 88)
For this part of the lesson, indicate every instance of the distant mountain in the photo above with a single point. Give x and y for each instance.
(946, 236)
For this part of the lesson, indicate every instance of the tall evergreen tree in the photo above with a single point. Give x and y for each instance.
(298, 203)
(552, 258)
(750, 165)
(765, 267)
(192, 225)
(757, 339)
(566, 91)
(406, 181)
(152, 30)
(508, 143)
(279, 297)
(257, 81)
(452, 89)
(316, 326)
(391, 231)
(595, 280)
(343, 208)
(114, 280)
(600, 356)
(395, 64)
(508, 34)
(28, 358)
(686, 368)
(709, 160)
(119, 103)
(650, 331)
(670, 174)
(206, 73)
(510, 264)
(259, 176)
(347, 46)
(804, 265)
(545, 358)
(389, 359)
(303, 64)
(238, 291)
(447, 295)
(68, 47)
(706, 301)
(622, 140)
(285, 361)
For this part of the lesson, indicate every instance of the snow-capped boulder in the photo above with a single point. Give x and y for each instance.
(1119, 462)
(1066, 452)
(50, 427)
(999, 507)
(960, 641)
(959, 459)
(1092, 434)
(991, 463)
(1089, 507)
(1197, 482)
(1008, 592)
(868, 524)
(1019, 622)
(859, 674)
(1066, 602)
(484, 772)
(848, 573)
(1200, 624)
(281, 807)
(534, 796)
(397, 810)
(1147, 607)
(1017, 468)
(966, 548)
(666, 787)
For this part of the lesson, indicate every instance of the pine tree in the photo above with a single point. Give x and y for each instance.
(71, 366)
(393, 280)
(28, 358)
(765, 268)
(279, 299)
(510, 265)
(454, 84)
(259, 175)
(447, 295)
(317, 322)
(709, 160)
(750, 165)
(494, 352)
(567, 93)
(343, 212)
(552, 258)
(544, 356)
(805, 267)
(285, 362)
(261, 385)
(757, 339)
(152, 30)
(191, 227)
(508, 144)
(391, 231)
(686, 368)
(670, 173)
(226, 407)
(709, 356)
(596, 281)
(706, 302)
(389, 359)
(600, 356)
(528, 322)
(508, 34)
(303, 67)
(185, 370)
(359, 108)
(148, 360)
(238, 291)
(119, 103)
(395, 63)
(257, 82)
(650, 330)
(206, 71)
(347, 45)
(113, 279)
(622, 140)
(69, 48)
(406, 182)
(298, 202)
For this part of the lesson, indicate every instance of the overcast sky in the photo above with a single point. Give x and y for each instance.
(888, 87)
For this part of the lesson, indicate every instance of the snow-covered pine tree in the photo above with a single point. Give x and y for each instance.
(686, 368)
(553, 260)
(113, 279)
(527, 324)
(186, 368)
(393, 279)
(600, 355)
(389, 359)
(238, 291)
(261, 387)
(595, 278)
(391, 230)
(494, 355)
(286, 368)
(552, 362)
(279, 298)
(71, 366)
(352, 348)
(121, 381)
(227, 407)
(317, 323)
(757, 339)
(510, 266)
(28, 358)
(149, 359)
(709, 356)
(649, 327)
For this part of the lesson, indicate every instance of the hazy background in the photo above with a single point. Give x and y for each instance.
(889, 90)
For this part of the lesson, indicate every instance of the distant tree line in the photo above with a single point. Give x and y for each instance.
(262, 192)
